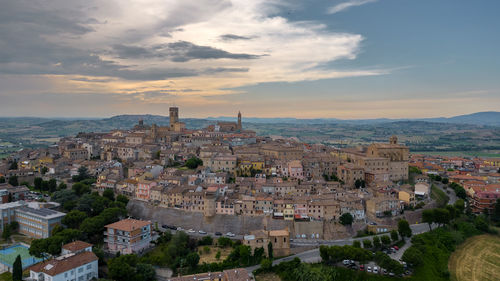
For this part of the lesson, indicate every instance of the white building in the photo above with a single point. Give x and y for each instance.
(78, 263)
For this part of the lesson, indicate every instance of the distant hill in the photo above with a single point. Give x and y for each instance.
(487, 118)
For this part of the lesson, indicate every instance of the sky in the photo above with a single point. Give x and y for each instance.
(349, 59)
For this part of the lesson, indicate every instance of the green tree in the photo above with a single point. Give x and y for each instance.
(122, 268)
(356, 244)
(45, 185)
(109, 193)
(496, 211)
(346, 219)
(62, 186)
(38, 247)
(38, 183)
(394, 235)
(386, 240)
(6, 232)
(44, 170)
(194, 162)
(13, 181)
(17, 269)
(441, 216)
(52, 185)
(206, 240)
(2, 179)
(270, 253)
(376, 242)
(404, 229)
(122, 198)
(192, 259)
(217, 255)
(413, 256)
(428, 217)
(266, 265)
(481, 223)
(367, 244)
(224, 242)
(80, 188)
(74, 218)
(445, 180)
(145, 272)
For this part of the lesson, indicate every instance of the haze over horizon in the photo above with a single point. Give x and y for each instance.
(347, 59)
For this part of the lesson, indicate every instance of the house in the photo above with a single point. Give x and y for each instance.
(128, 236)
(77, 262)
(422, 190)
(280, 239)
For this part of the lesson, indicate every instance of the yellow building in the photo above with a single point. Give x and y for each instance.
(288, 212)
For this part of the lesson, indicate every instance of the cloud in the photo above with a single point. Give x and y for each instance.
(346, 5)
(230, 37)
(209, 46)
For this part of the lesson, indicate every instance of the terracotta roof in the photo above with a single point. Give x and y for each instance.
(54, 267)
(76, 246)
(282, 232)
(128, 224)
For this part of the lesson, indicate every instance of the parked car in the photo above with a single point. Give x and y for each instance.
(369, 269)
(392, 274)
(375, 269)
(191, 230)
(346, 262)
(179, 228)
(202, 232)
(230, 234)
(218, 233)
(396, 248)
(362, 267)
(172, 227)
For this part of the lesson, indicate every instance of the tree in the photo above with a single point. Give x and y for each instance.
(14, 226)
(481, 223)
(376, 242)
(496, 211)
(460, 192)
(357, 183)
(13, 181)
(45, 185)
(394, 235)
(441, 216)
(192, 259)
(122, 268)
(62, 186)
(122, 198)
(17, 269)
(13, 166)
(413, 256)
(217, 255)
(38, 183)
(38, 248)
(145, 272)
(109, 193)
(367, 244)
(270, 250)
(356, 244)
(459, 206)
(52, 185)
(266, 264)
(2, 179)
(224, 242)
(74, 218)
(6, 232)
(404, 229)
(428, 217)
(80, 188)
(346, 219)
(44, 170)
(386, 240)
(445, 180)
(206, 240)
(83, 173)
(194, 162)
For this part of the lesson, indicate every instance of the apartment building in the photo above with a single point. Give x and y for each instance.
(128, 236)
(37, 223)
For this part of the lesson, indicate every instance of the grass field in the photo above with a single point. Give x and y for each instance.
(477, 259)
(210, 257)
(438, 195)
(460, 153)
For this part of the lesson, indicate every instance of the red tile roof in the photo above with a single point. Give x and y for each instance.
(76, 246)
(128, 224)
(54, 267)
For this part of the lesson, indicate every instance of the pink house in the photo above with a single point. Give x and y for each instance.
(295, 170)
(143, 191)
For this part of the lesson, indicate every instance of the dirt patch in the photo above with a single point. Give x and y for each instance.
(267, 277)
(210, 256)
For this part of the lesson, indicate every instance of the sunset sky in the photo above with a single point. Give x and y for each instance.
(347, 59)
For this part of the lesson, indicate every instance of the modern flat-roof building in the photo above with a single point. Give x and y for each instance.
(128, 236)
(37, 223)
(77, 263)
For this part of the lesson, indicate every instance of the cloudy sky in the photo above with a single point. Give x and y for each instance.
(277, 58)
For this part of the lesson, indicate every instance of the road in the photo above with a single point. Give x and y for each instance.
(312, 256)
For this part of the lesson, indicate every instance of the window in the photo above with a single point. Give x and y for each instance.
(80, 269)
(89, 266)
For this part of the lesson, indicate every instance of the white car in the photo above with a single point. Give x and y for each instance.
(191, 231)
(346, 262)
(375, 269)
(201, 232)
(369, 269)
(230, 234)
(179, 228)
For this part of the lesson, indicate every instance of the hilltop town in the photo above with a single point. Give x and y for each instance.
(224, 180)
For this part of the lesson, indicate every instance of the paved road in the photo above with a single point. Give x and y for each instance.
(415, 228)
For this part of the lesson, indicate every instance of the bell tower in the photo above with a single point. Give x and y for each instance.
(239, 121)
(174, 116)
